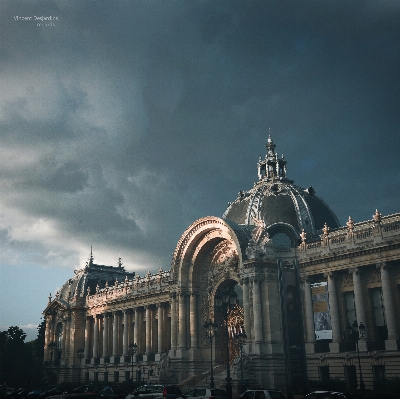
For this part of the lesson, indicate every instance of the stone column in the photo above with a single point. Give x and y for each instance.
(115, 334)
(265, 310)
(136, 330)
(148, 329)
(246, 309)
(193, 321)
(359, 301)
(334, 313)
(182, 320)
(68, 324)
(96, 337)
(64, 338)
(105, 335)
(389, 307)
(258, 332)
(125, 334)
(173, 321)
(309, 313)
(160, 328)
(87, 338)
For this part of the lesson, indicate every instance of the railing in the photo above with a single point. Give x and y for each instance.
(387, 227)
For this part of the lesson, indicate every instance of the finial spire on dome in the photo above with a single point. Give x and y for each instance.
(91, 259)
(271, 167)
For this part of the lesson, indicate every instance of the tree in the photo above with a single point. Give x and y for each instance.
(15, 357)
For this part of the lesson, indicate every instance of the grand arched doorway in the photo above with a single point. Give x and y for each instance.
(229, 316)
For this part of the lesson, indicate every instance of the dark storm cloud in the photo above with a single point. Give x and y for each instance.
(128, 120)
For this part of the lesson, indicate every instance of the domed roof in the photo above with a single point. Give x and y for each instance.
(274, 199)
(92, 276)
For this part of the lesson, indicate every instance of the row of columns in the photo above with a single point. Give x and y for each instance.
(259, 300)
(359, 304)
(111, 327)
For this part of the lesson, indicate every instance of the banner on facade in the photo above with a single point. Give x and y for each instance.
(322, 317)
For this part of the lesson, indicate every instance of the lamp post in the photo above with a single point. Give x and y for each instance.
(131, 351)
(211, 329)
(361, 331)
(241, 340)
(80, 354)
(223, 303)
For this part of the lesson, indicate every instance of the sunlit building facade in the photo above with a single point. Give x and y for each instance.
(277, 266)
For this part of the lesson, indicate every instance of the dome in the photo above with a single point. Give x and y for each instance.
(276, 201)
(90, 278)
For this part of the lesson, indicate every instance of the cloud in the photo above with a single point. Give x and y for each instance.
(127, 121)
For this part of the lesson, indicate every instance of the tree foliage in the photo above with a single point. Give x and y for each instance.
(20, 361)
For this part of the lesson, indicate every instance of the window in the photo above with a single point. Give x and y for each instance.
(324, 374)
(350, 305)
(379, 314)
(116, 376)
(106, 376)
(351, 376)
(86, 376)
(96, 376)
(127, 375)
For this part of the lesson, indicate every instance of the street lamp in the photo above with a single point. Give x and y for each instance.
(131, 351)
(241, 340)
(361, 331)
(80, 354)
(223, 303)
(211, 329)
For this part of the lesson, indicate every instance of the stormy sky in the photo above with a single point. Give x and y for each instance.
(122, 122)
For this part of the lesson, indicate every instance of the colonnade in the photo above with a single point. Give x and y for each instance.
(360, 306)
(108, 334)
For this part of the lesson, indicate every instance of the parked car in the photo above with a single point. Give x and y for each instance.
(36, 392)
(262, 394)
(205, 393)
(156, 391)
(51, 392)
(113, 392)
(88, 395)
(87, 389)
(332, 395)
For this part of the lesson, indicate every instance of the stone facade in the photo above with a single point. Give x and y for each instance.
(274, 252)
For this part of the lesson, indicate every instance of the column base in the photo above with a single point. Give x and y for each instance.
(362, 345)
(149, 357)
(391, 345)
(310, 348)
(334, 347)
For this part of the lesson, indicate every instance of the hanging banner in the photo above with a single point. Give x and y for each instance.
(322, 317)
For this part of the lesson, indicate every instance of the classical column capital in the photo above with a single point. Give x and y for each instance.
(329, 274)
(305, 279)
(172, 295)
(244, 280)
(354, 270)
(382, 265)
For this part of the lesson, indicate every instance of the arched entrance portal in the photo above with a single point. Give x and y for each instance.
(229, 316)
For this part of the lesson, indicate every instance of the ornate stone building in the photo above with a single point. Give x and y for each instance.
(296, 279)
